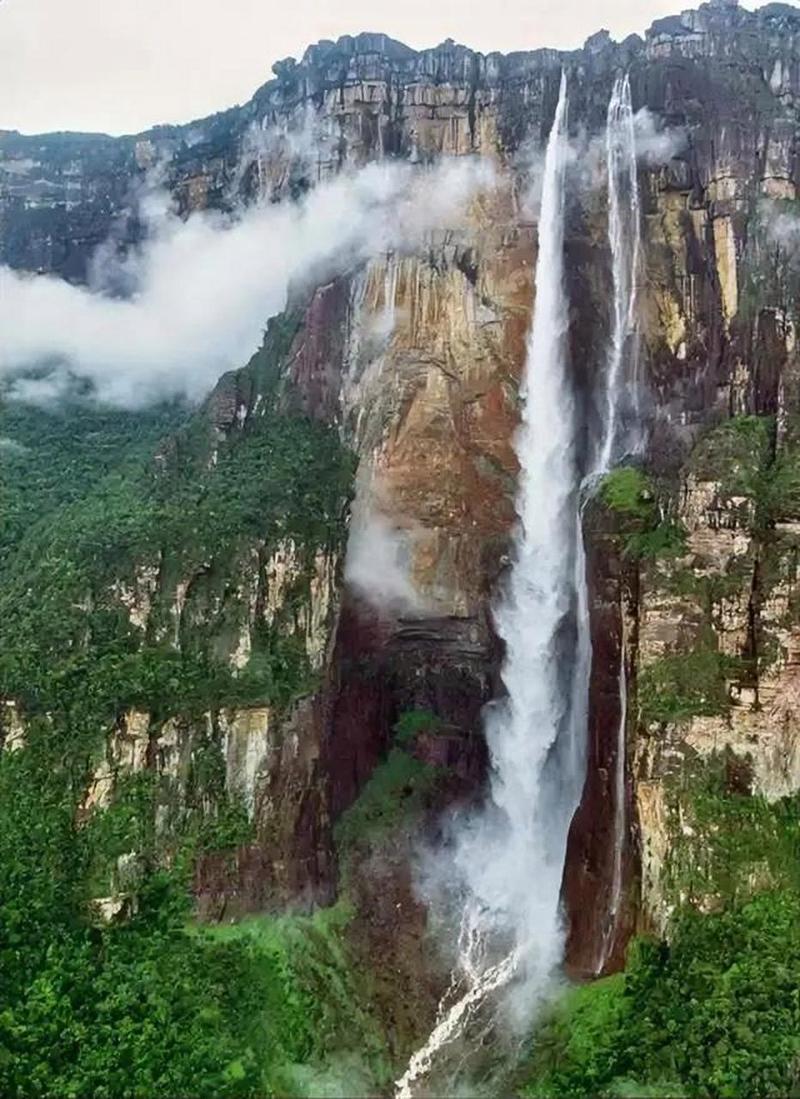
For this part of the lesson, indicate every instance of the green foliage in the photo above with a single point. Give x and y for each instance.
(735, 453)
(664, 540)
(781, 489)
(750, 832)
(648, 533)
(739, 842)
(141, 1009)
(217, 819)
(709, 589)
(714, 1013)
(282, 477)
(313, 1008)
(125, 827)
(574, 1040)
(628, 490)
(135, 1009)
(741, 455)
(397, 790)
(683, 685)
(52, 457)
(99, 507)
(144, 1006)
(148, 1007)
(413, 722)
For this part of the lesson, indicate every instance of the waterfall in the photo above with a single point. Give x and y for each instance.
(620, 438)
(510, 859)
(530, 732)
(624, 232)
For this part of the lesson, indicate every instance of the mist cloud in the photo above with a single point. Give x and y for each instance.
(378, 565)
(11, 445)
(782, 230)
(204, 288)
(656, 144)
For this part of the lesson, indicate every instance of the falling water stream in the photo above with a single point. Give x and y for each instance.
(509, 859)
(622, 419)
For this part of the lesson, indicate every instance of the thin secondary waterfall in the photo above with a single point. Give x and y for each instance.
(390, 292)
(510, 859)
(620, 436)
(624, 232)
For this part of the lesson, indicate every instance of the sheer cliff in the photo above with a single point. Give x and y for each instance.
(212, 677)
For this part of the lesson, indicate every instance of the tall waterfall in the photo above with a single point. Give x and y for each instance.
(510, 858)
(530, 733)
(624, 231)
(622, 419)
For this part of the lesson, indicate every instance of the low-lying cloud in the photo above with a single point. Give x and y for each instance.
(203, 289)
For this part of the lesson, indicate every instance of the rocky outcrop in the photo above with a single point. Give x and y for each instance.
(726, 610)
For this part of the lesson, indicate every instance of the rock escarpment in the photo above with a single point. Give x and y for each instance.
(413, 362)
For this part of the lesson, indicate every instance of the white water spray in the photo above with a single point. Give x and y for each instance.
(624, 231)
(510, 860)
(516, 877)
(472, 982)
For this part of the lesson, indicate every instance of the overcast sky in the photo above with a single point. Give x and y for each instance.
(123, 65)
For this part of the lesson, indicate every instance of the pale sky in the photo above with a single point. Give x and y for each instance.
(121, 66)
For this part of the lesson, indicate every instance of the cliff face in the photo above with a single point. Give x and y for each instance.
(412, 363)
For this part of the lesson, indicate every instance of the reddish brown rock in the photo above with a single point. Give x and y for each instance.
(599, 924)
